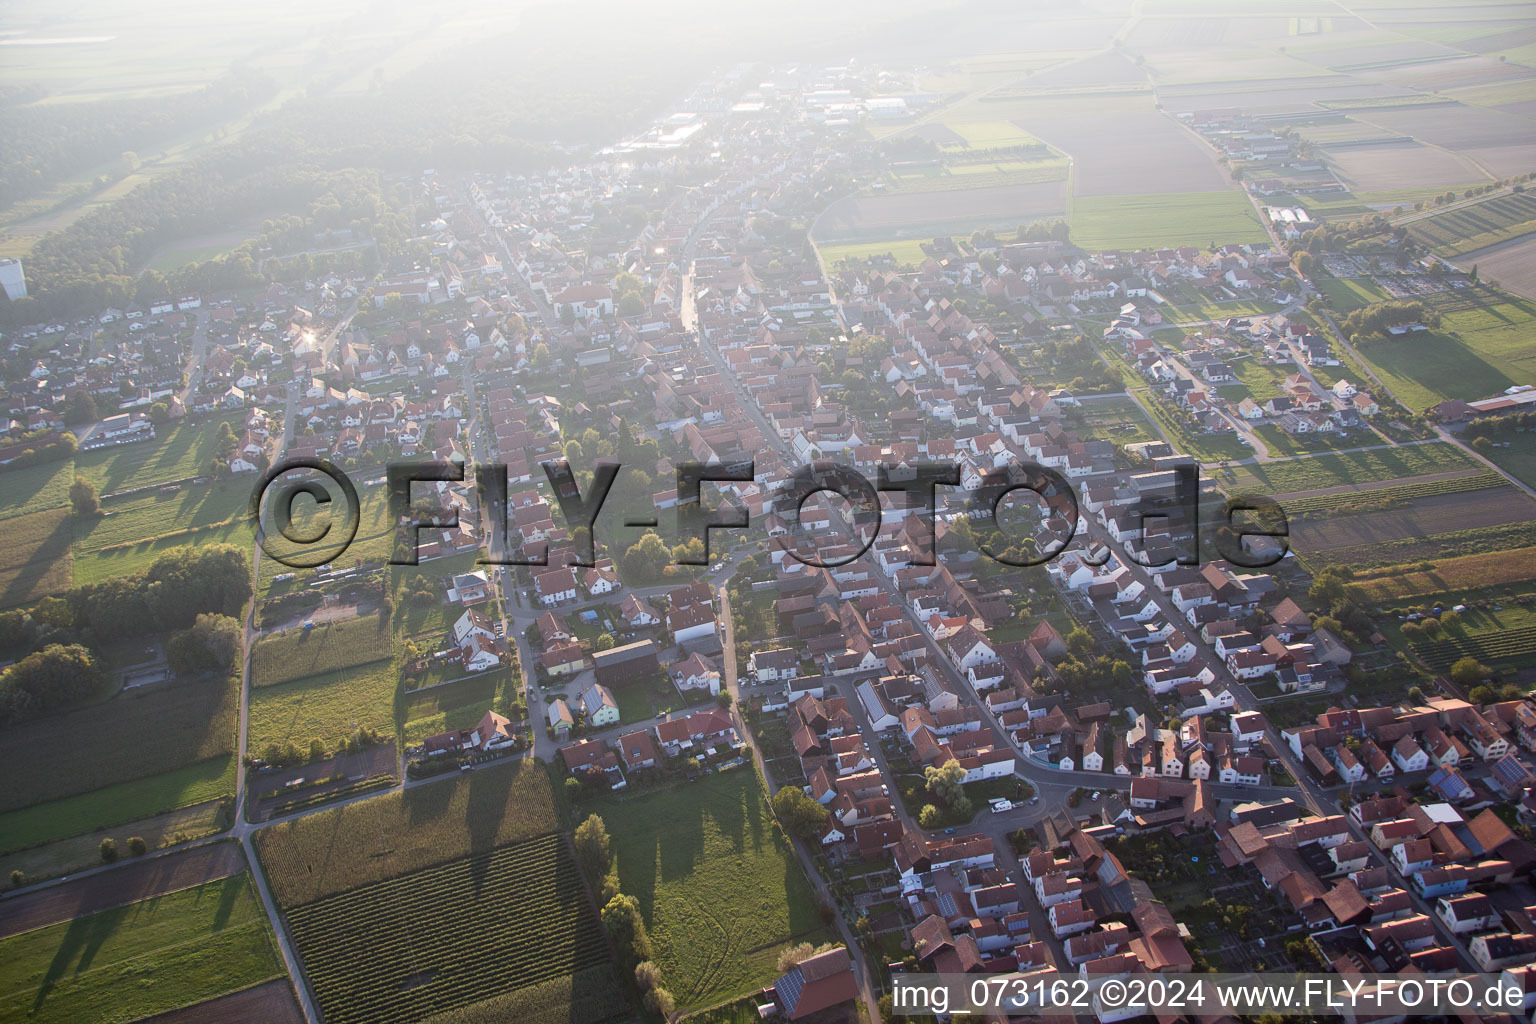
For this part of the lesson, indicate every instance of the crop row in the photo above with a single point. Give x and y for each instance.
(447, 936)
(1504, 645)
(1381, 497)
(1461, 231)
(412, 898)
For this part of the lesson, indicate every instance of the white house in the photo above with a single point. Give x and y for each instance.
(696, 673)
(599, 705)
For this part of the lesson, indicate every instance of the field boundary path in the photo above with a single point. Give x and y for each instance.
(1375, 485)
(87, 892)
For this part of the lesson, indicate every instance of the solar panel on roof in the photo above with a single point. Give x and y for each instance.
(789, 989)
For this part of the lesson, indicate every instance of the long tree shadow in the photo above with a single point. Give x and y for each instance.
(484, 812)
(80, 944)
(29, 579)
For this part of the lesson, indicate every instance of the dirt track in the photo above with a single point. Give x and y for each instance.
(270, 1003)
(156, 877)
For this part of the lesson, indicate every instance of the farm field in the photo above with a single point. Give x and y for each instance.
(1422, 517)
(1477, 353)
(131, 882)
(35, 488)
(344, 847)
(1384, 552)
(989, 135)
(35, 560)
(1511, 265)
(327, 706)
(943, 212)
(1401, 165)
(136, 531)
(1098, 130)
(1372, 498)
(1334, 469)
(176, 452)
(140, 959)
(975, 174)
(1171, 219)
(1450, 576)
(444, 937)
(141, 732)
(332, 646)
(1468, 228)
(1498, 636)
(271, 1003)
(718, 885)
(80, 851)
(113, 805)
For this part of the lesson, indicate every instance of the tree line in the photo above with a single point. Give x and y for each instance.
(621, 914)
(49, 142)
(1375, 319)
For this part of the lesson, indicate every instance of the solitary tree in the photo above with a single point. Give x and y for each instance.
(108, 850)
(647, 975)
(592, 846)
(82, 497)
(1468, 671)
(137, 846)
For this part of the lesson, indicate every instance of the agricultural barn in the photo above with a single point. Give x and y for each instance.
(626, 664)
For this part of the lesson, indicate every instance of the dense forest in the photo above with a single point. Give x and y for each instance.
(47, 143)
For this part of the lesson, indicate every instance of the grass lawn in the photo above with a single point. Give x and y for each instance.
(902, 251)
(332, 646)
(374, 541)
(639, 701)
(175, 452)
(1518, 458)
(1120, 420)
(1477, 353)
(134, 532)
(35, 488)
(325, 707)
(719, 886)
(457, 705)
(118, 804)
(1263, 380)
(1333, 469)
(1349, 294)
(1217, 310)
(1148, 221)
(1281, 444)
(35, 560)
(141, 959)
(78, 852)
